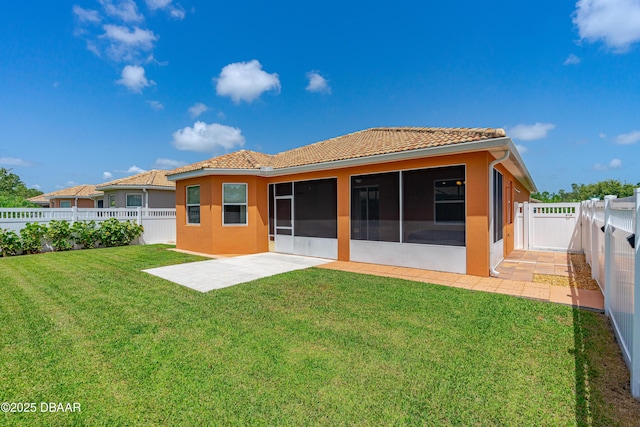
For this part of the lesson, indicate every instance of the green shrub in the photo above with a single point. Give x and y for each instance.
(10, 244)
(85, 234)
(59, 233)
(115, 233)
(31, 237)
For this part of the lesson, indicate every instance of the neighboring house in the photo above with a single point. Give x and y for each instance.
(149, 189)
(40, 200)
(80, 196)
(432, 198)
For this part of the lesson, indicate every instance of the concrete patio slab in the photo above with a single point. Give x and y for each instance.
(205, 276)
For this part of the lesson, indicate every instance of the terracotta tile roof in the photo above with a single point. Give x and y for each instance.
(152, 178)
(71, 192)
(369, 142)
(242, 159)
(39, 199)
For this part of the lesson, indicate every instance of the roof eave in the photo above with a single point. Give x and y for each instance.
(68, 196)
(135, 187)
(215, 171)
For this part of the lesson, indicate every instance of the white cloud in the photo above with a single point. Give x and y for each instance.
(613, 164)
(107, 175)
(136, 37)
(245, 81)
(125, 10)
(196, 109)
(13, 161)
(203, 137)
(521, 148)
(162, 163)
(572, 60)
(531, 132)
(36, 186)
(615, 22)
(174, 10)
(628, 138)
(71, 183)
(158, 4)
(135, 169)
(134, 79)
(317, 83)
(177, 13)
(125, 44)
(602, 135)
(156, 105)
(86, 15)
(93, 48)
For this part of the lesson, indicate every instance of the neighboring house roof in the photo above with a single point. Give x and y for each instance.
(153, 179)
(79, 191)
(39, 200)
(366, 146)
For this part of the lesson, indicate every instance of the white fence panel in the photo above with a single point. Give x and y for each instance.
(158, 230)
(548, 226)
(612, 227)
(518, 226)
(159, 224)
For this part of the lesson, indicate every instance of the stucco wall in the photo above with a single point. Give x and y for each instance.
(514, 192)
(157, 198)
(82, 203)
(210, 236)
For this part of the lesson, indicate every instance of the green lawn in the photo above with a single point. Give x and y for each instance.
(313, 347)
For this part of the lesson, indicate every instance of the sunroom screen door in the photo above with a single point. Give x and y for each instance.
(284, 224)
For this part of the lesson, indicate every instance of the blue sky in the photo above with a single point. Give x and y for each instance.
(94, 90)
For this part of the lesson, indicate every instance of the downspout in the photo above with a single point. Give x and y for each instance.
(492, 271)
(76, 202)
(146, 198)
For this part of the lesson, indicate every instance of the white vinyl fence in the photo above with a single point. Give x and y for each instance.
(607, 232)
(610, 233)
(547, 226)
(159, 224)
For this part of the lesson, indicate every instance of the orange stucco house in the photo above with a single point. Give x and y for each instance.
(433, 198)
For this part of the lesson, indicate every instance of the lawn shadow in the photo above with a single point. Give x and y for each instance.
(602, 379)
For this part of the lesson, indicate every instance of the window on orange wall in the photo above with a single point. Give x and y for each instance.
(234, 204)
(193, 204)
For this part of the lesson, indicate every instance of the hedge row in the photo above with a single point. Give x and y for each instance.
(64, 236)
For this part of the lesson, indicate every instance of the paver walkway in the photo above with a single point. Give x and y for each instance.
(516, 278)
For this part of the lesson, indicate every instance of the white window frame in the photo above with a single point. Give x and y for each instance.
(187, 204)
(126, 200)
(246, 204)
(65, 201)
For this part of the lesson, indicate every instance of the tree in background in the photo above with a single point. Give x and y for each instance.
(580, 192)
(13, 192)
